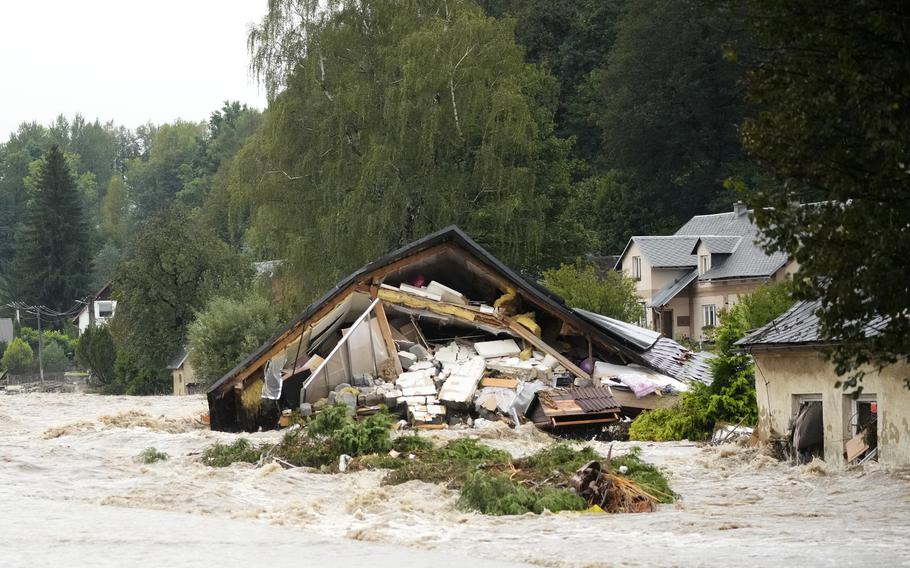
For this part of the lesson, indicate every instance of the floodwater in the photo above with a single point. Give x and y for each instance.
(72, 493)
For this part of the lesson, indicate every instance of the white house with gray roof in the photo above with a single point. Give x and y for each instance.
(684, 280)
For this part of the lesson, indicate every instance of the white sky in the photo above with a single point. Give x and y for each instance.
(130, 61)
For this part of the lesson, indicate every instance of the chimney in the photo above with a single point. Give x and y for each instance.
(740, 209)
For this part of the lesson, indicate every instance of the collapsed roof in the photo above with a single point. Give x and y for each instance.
(470, 294)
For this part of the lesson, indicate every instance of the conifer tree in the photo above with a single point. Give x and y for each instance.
(52, 263)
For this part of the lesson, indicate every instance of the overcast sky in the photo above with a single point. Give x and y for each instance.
(130, 61)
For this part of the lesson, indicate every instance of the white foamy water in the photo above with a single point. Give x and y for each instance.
(72, 493)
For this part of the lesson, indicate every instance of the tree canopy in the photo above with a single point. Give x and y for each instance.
(52, 265)
(833, 83)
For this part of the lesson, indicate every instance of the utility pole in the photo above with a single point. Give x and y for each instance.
(40, 347)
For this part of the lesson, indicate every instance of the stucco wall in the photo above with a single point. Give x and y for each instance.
(781, 376)
(722, 293)
(183, 377)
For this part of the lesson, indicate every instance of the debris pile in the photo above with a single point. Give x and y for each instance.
(445, 335)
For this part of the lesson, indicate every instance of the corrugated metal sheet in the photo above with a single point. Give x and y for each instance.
(682, 364)
(659, 353)
(637, 336)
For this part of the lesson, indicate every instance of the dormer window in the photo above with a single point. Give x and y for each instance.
(704, 263)
(636, 268)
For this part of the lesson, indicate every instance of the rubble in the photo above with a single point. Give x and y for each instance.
(477, 342)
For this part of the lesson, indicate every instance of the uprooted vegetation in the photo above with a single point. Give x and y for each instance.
(490, 481)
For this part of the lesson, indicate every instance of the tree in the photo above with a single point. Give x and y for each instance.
(25, 146)
(396, 122)
(228, 330)
(171, 165)
(612, 294)
(731, 395)
(115, 212)
(96, 352)
(669, 105)
(572, 39)
(53, 358)
(18, 356)
(174, 267)
(52, 266)
(832, 83)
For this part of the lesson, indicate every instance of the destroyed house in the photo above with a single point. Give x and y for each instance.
(442, 331)
(800, 402)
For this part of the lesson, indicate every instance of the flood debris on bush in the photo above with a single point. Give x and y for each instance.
(561, 477)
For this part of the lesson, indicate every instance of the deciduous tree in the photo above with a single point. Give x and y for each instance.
(833, 85)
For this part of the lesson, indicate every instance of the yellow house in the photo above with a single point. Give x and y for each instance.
(686, 279)
(799, 402)
(182, 373)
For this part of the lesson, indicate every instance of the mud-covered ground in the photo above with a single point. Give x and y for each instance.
(73, 494)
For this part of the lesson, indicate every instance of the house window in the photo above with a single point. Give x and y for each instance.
(710, 315)
(704, 263)
(636, 267)
(105, 309)
(643, 316)
(862, 436)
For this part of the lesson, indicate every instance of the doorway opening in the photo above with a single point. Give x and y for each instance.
(808, 434)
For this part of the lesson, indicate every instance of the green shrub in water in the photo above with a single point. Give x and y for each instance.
(223, 455)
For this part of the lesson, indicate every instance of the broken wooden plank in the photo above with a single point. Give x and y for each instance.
(501, 382)
(386, 331)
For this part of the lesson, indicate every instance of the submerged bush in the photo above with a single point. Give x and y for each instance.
(646, 475)
(332, 433)
(151, 455)
(497, 494)
(411, 443)
(223, 455)
(450, 464)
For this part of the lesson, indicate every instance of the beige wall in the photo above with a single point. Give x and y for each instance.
(781, 376)
(723, 294)
(786, 271)
(652, 279)
(182, 377)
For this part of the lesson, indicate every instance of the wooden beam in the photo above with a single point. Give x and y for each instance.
(398, 297)
(540, 344)
(386, 331)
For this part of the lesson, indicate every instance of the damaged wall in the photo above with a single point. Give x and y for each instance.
(781, 376)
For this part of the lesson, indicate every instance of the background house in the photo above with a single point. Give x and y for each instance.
(798, 399)
(98, 310)
(6, 330)
(684, 280)
(182, 373)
